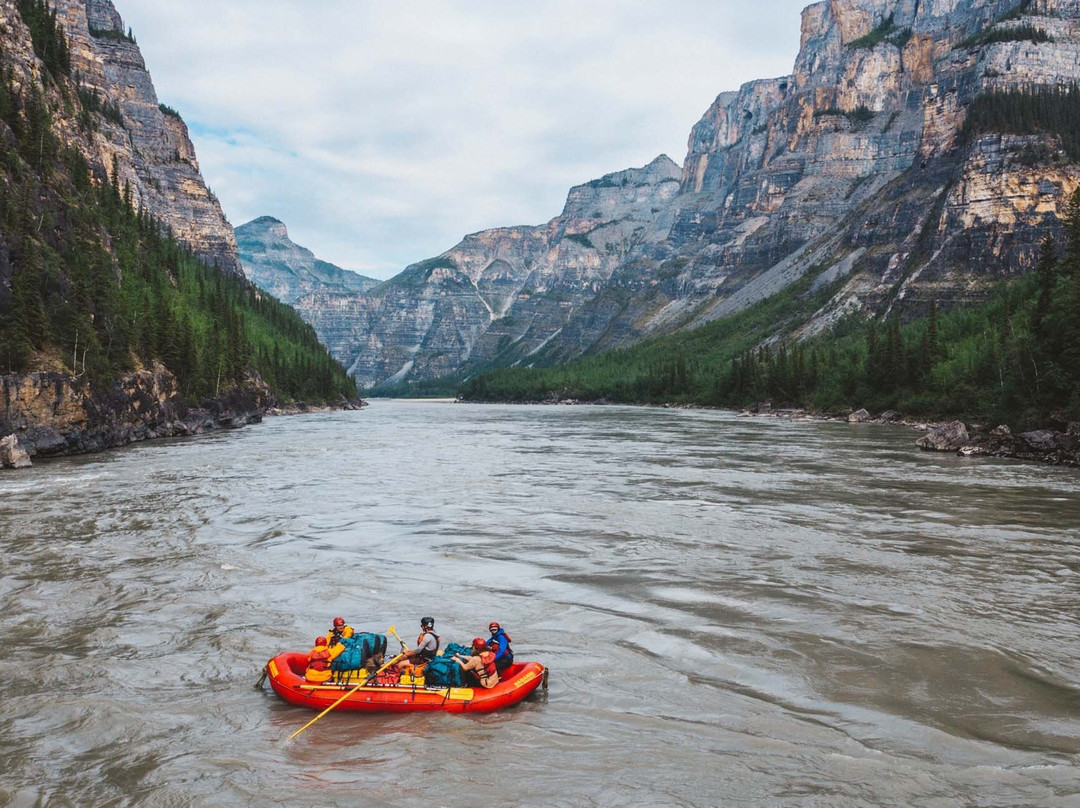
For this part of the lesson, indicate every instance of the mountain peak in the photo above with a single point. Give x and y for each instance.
(267, 226)
(274, 262)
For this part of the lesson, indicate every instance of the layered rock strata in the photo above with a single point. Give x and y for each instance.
(499, 293)
(50, 414)
(148, 147)
(854, 169)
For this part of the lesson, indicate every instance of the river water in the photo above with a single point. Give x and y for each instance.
(734, 612)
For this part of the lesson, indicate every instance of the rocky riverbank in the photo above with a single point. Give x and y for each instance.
(1058, 444)
(53, 414)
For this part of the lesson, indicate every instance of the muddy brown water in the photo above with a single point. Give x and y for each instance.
(735, 612)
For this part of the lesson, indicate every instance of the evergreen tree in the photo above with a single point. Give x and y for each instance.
(1048, 275)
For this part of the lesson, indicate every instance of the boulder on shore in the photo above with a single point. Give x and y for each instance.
(950, 437)
(1043, 441)
(12, 454)
(859, 417)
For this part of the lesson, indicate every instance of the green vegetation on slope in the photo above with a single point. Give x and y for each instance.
(1016, 33)
(885, 31)
(113, 34)
(90, 286)
(683, 366)
(1015, 359)
(1029, 110)
(47, 34)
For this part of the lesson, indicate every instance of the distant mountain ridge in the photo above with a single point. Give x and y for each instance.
(856, 170)
(274, 262)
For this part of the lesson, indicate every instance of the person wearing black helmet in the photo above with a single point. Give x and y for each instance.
(499, 644)
(427, 646)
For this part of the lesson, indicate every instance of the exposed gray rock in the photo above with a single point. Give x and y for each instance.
(274, 262)
(12, 454)
(151, 149)
(890, 417)
(859, 417)
(51, 414)
(1043, 440)
(950, 437)
(851, 169)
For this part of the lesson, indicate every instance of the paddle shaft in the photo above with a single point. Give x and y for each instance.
(404, 645)
(336, 703)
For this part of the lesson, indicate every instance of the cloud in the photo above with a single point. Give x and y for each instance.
(383, 132)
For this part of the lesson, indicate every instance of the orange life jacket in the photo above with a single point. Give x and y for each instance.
(488, 659)
(427, 656)
(319, 659)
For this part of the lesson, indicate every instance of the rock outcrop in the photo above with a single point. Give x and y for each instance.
(289, 272)
(950, 437)
(854, 171)
(12, 454)
(148, 145)
(51, 414)
(1042, 445)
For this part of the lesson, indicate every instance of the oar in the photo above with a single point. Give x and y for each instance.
(397, 636)
(336, 703)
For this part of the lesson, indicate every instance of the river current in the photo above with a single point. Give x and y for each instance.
(734, 612)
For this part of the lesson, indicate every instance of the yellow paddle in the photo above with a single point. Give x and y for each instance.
(336, 703)
(397, 636)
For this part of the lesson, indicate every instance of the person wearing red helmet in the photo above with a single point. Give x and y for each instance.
(481, 664)
(338, 632)
(499, 644)
(319, 659)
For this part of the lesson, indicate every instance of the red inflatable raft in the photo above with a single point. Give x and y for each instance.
(286, 674)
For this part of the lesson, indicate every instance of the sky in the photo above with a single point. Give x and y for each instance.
(383, 132)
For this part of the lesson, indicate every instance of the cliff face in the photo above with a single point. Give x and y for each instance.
(274, 262)
(853, 166)
(151, 149)
(52, 414)
(854, 169)
(501, 293)
(99, 308)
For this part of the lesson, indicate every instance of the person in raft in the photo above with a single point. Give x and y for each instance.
(338, 632)
(481, 664)
(427, 647)
(499, 644)
(319, 659)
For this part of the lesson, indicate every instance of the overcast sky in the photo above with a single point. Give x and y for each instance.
(381, 133)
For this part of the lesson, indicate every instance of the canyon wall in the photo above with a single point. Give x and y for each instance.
(148, 146)
(855, 169)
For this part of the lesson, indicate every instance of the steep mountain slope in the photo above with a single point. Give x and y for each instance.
(148, 143)
(501, 290)
(855, 167)
(110, 329)
(274, 262)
